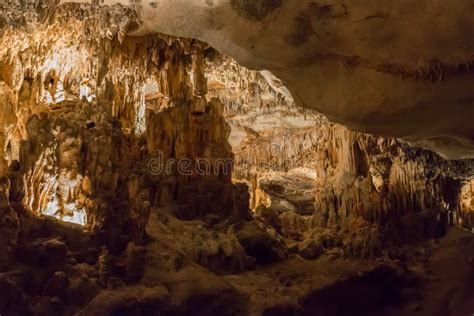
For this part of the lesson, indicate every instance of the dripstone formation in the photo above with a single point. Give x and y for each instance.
(146, 174)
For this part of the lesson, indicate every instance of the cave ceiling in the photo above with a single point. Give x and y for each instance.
(236, 157)
(374, 67)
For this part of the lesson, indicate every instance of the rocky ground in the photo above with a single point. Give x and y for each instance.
(426, 280)
(99, 215)
(447, 278)
(189, 268)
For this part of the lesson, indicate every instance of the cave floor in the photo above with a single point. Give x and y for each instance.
(449, 286)
(176, 285)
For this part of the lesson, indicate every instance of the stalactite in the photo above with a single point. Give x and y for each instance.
(132, 164)
(466, 210)
(361, 183)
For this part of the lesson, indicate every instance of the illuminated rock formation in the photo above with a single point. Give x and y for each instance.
(308, 175)
(467, 206)
(362, 64)
(144, 173)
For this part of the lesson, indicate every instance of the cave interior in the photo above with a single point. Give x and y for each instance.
(153, 173)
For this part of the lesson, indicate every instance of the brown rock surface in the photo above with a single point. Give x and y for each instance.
(151, 174)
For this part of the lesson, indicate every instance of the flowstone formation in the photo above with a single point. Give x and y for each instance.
(467, 205)
(151, 174)
(311, 178)
(397, 71)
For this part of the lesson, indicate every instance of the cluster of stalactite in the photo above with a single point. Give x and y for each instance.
(42, 64)
(148, 174)
(467, 205)
(374, 179)
(80, 143)
(378, 189)
(194, 162)
(26, 12)
(59, 145)
(313, 178)
(79, 166)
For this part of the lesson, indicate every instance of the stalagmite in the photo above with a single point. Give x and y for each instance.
(145, 173)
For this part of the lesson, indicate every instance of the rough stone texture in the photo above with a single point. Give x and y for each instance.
(9, 225)
(255, 10)
(467, 205)
(309, 176)
(362, 64)
(86, 110)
